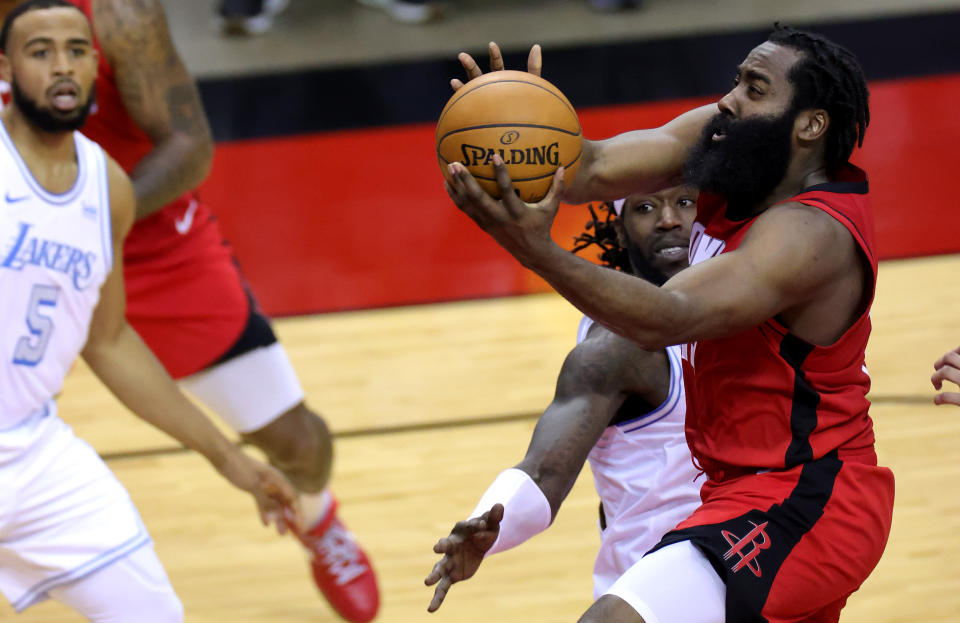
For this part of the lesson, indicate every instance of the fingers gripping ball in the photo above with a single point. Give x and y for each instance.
(522, 118)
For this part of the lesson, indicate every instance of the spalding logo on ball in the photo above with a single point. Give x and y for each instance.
(518, 116)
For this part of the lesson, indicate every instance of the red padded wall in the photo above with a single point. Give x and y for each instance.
(356, 219)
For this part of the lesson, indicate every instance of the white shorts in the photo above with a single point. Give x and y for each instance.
(675, 584)
(63, 514)
(250, 390)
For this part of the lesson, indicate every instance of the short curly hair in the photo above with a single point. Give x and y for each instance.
(26, 7)
(604, 236)
(828, 76)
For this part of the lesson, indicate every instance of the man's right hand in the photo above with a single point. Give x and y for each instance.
(271, 490)
(534, 63)
(463, 551)
(947, 369)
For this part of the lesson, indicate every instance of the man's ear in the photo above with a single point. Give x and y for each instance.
(621, 232)
(5, 72)
(812, 124)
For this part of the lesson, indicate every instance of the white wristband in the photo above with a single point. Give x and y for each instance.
(526, 511)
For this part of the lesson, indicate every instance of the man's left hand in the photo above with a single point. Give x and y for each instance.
(521, 228)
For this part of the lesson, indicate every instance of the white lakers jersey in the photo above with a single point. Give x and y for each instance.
(645, 478)
(55, 253)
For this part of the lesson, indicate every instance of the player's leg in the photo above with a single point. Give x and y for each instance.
(298, 443)
(134, 588)
(675, 584)
(254, 388)
(839, 551)
(611, 609)
(201, 323)
(67, 520)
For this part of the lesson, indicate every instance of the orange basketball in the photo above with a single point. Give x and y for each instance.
(522, 118)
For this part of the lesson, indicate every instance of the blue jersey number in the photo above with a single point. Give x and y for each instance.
(30, 348)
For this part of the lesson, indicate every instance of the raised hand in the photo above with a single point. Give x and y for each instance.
(463, 552)
(947, 369)
(521, 228)
(534, 63)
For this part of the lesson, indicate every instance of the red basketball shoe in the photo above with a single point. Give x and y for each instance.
(341, 570)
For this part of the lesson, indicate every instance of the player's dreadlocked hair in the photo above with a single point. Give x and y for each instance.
(604, 236)
(828, 76)
(25, 7)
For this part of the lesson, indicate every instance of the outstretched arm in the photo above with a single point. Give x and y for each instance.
(121, 360)
(791, 255)
(596, 378)
(160, 96)
(641, 161)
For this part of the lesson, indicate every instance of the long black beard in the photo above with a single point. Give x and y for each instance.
(48, 119)
(747, 165)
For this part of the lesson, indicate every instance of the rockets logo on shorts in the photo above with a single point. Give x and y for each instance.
(738, 547)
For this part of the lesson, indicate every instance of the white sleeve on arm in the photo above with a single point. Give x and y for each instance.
(526, 511)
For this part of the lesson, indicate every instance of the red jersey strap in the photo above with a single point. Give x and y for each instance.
(847, 220)
(846, 200)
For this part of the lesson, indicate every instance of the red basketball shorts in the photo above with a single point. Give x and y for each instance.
(793, 545)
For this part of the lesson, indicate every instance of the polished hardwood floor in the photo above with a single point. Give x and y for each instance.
(430, 403)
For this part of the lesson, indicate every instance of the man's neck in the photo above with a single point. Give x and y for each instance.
(801, 174)
(50, 156)
(54, 146)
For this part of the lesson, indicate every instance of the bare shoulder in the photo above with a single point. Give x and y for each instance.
(800, 245)
(799, 227)
(135, 38)
(156, 89)
(121, 24)
(608, 363)
(122, 199)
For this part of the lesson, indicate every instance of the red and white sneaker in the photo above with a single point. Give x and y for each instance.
(341, 570)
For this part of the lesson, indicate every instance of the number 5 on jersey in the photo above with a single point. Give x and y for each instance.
(30, 348)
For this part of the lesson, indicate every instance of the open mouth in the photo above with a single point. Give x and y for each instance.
(64, 96)
(671, 248)
(675, 252)
(719, 135)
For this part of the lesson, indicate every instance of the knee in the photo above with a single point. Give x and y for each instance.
(610, 609)
(299, 444)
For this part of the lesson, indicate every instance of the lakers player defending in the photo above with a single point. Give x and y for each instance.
(68, 529)
(617, 405)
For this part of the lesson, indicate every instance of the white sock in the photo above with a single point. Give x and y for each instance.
(314, 507)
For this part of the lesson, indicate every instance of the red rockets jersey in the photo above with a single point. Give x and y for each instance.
(165, 235)
(764, 398)
(185, 296)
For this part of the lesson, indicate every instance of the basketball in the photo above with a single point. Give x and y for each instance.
(522, 118)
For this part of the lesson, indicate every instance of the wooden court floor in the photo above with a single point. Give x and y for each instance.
(430, 403)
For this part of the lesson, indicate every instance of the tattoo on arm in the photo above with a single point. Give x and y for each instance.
(159, 95)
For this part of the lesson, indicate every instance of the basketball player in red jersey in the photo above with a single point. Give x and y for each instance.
(185, 296)
(774, 316)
